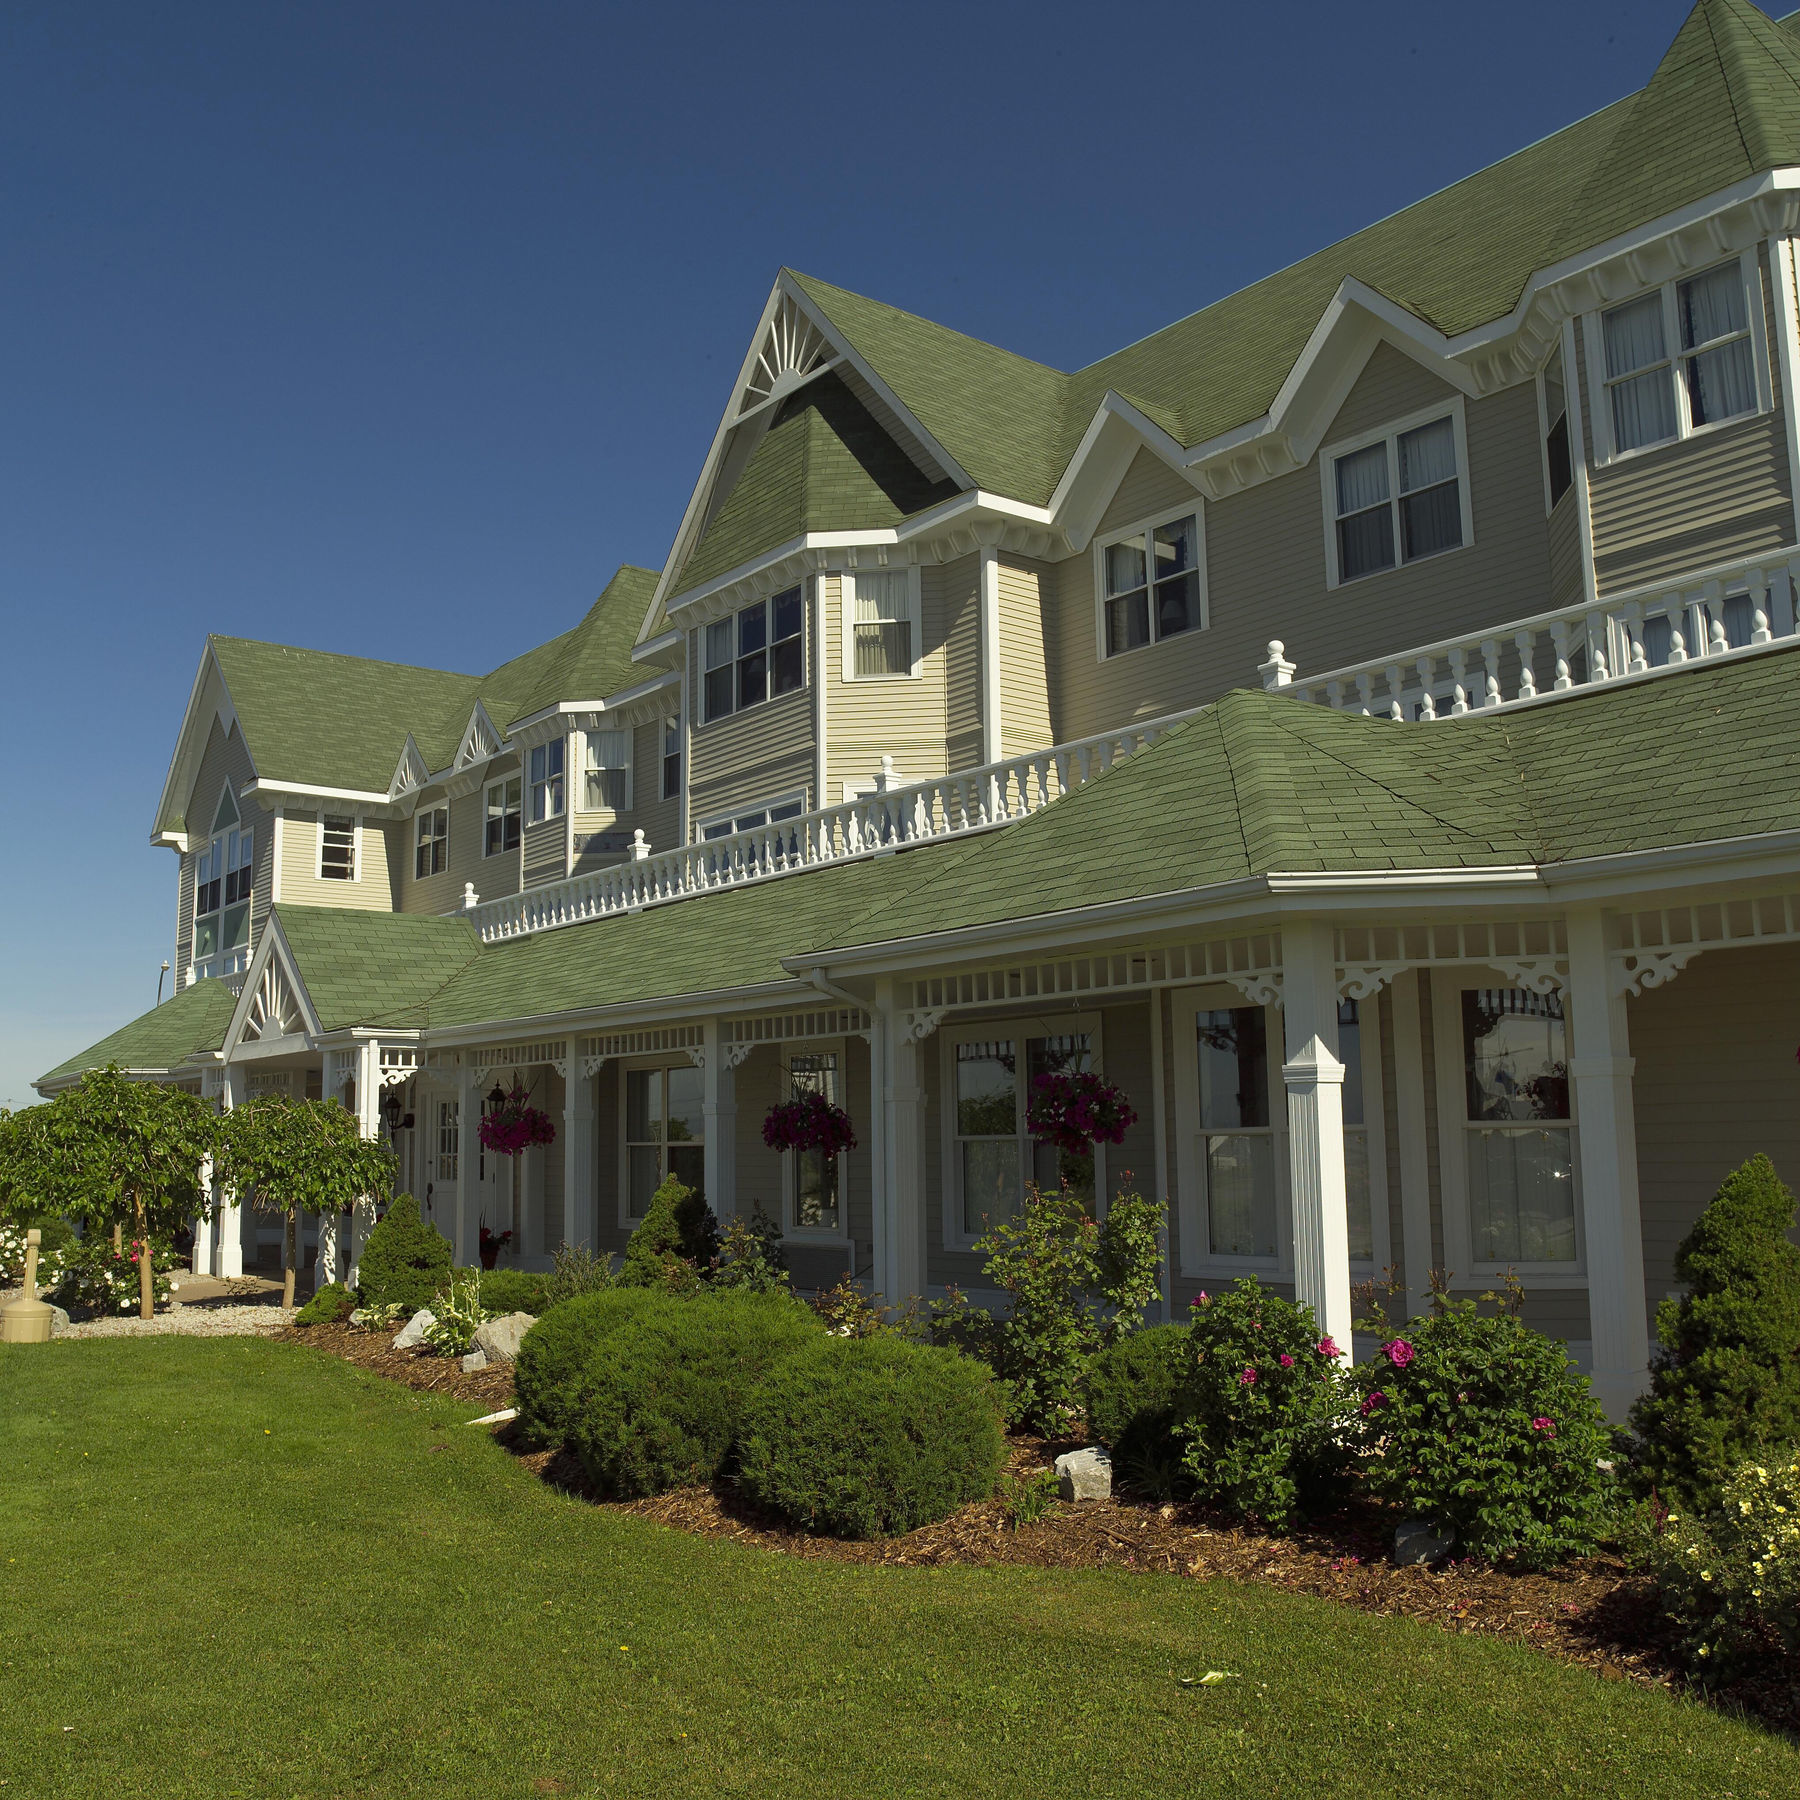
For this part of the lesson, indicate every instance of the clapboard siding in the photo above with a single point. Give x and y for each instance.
(1566, 555)
(1149, 488)
(545, 848)
(1024, 683)
(754, 756)
(954, 590)
(373, 890)
(492, 877)
(657, 818)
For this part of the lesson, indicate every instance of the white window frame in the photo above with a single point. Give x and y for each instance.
(553, 784)
(223, 959)
(356, 856)
(1196, 1260)
(1552, 502)
(1019, 1030)
(670, 727)
(914, 615)
(837, 1237)
(421, 818)
(584, 742)
(795, 799)
(639, 1066)
(1447, 987)
(487, 794)
(767, 603)
(1593, 335)
(1391, 432)
(1142, 529)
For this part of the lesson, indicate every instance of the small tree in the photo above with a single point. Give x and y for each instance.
(113, 1153)
(1726, 1386)
(294, 1154)
(406, 1262)
(676, 1238)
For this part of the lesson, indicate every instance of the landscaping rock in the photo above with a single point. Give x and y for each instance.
(500, 1338)
(476, 1359)
(59, 1321)
(412, 1335)
(1421, 1541)
(1084, 1474)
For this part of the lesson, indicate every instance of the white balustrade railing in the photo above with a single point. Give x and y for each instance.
(892, 817)
(1736, 607)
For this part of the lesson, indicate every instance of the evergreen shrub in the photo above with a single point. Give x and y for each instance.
(1725, 1388)
(662, 1398)
(1135, 1399)
(866, 1437)
(516, 1290)
(556, 1351)
(676, 1238)
(330, 1304)
(405, 1262)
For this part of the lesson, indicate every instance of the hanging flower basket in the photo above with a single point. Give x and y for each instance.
(1075, 1112)
(809, 1122)
(515, 1125)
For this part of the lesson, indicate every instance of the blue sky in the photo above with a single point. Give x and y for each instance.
(394, 328)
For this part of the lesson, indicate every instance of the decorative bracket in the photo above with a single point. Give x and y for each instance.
(735, 1054)
(1261, 987)
(592, 1065)
(1362, 981)
(921, 1024)
(1539, 974)
(1640, 969)
(696, 1054)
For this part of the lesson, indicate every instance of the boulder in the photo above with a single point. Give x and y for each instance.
(412, 1334)
(59, 1321)
(501, 1338)
(1084, 1474)
(476, 1359)
(1421, 1541)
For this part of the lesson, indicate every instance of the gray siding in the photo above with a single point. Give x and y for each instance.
(750, 756)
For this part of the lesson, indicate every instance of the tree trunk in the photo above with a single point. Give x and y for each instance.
(146, 1272)
(291, 1239)
(118, 1238)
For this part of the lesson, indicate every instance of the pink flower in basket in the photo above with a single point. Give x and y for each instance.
(809, 1122)
(1076, 1111)
(515, 1125)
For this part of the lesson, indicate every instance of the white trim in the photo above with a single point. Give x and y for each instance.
(1415, 1162)
(1142, 528)
(1584, 518)
(1391, 433)
(360, 799)
(1787, 343)
(356, 856)
(581, 742)
(820, 709)
(795, 797)
(277, 818)
(914, 617)
(988, 656)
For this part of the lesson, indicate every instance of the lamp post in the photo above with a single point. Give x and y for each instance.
(159, 980)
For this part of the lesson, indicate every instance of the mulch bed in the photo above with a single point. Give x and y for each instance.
(1589, 1611)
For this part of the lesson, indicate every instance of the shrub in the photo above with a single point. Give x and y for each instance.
(865, 1437)
(1731, 1580)
(558, 1348)
(1725, 1389)
(405, 1261)
(750, 1256)
(97, 1278)
(579, 1270)
(457, 1312)
(1482, 1424)
(330, 1304)
(1134, 1392)
(675, 1239)
(55, 1237)
(848, 1310)
(661, 1400)
(1263, 1404)
(515, 1290)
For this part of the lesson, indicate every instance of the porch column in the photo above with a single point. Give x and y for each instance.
(900, 1209)
(578, 1151)
(368, 1122)
(203, 1226)
(468, 1167)
(231, 1215)
(719, 1153)
(1600, 1066)
(1314, 1078)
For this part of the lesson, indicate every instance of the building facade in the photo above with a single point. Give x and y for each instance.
(1341, 718)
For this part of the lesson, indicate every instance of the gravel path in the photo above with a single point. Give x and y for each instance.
(180, 1321)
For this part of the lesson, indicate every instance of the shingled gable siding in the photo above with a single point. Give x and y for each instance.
(1024, 673)
(754, 756)
(376, 887)
(1720, 495)
(1265, 550)
(493, 877)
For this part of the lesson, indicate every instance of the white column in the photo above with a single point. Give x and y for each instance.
(900, 1218)
(468, 1164)
(368, 1121)
(991, 740)
(231, 1216)
(1600, 1068)
(1314, 1078)
(578, 1151)
(203, 1227)
(719, 1153)
(881, 1231)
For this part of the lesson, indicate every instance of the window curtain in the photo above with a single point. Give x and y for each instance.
(608, 753)
(1427, 456)
(1362, 479)
(883, 624)
(1634, 336)
(1711, 306)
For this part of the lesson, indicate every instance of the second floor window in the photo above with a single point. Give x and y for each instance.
(337, 849)
(1679, 358)
(671, 759)
(501, 827)
(1559, 465)
(756, 654)
(1150, 583)
(432, 852)
(790, 808)
(1397, 500)
(546, 781)
(223, 874)
(608, 774)
(882, 627)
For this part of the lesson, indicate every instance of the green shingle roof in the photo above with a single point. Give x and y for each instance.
(368, 968)
(163, 1038)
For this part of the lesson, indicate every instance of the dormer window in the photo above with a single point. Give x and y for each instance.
(1397, 495)
(337, 849)
(546, 781)
(608, 773)
(1151, 583)
(501, 828)
(755, 654)
(224, 872)
(431, 855)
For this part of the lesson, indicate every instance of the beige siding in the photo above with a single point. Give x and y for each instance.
(751, 756)
(373, 890)
(1024, 681)
(545, 852)
(493, 877)
(953, 594)
(1566, 555)
(1150, 487)
(657, 818)
(1714, 1084)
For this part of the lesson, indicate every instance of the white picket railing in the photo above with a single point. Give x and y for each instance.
(1735, 607)
(946, 806)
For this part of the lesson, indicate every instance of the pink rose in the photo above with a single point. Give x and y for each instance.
(1546, 1426)
(1328, 1347)
(1373, 1402)
(1399, 1352)
(1247, 1378)
(1287, 1362)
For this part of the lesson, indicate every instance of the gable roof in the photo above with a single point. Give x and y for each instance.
(369, 968)
(184, 1025)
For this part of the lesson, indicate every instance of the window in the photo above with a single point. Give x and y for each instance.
(547, 781)
(1237, 1139)
(337, 849)
(1151, 584)
(431, 852)
(502, 825)
(993, 1154)
(665, 1130)
(224, 872)
(1516, 1138)
(881, 624)
(790, 808)
(608, 782)
(449, 1138)
(755, 655)
(1397, 499)
(1559, 466)
(814, 1180)
(671, 759)
(1679, 358)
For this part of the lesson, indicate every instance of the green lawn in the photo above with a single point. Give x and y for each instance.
(235, 1567)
